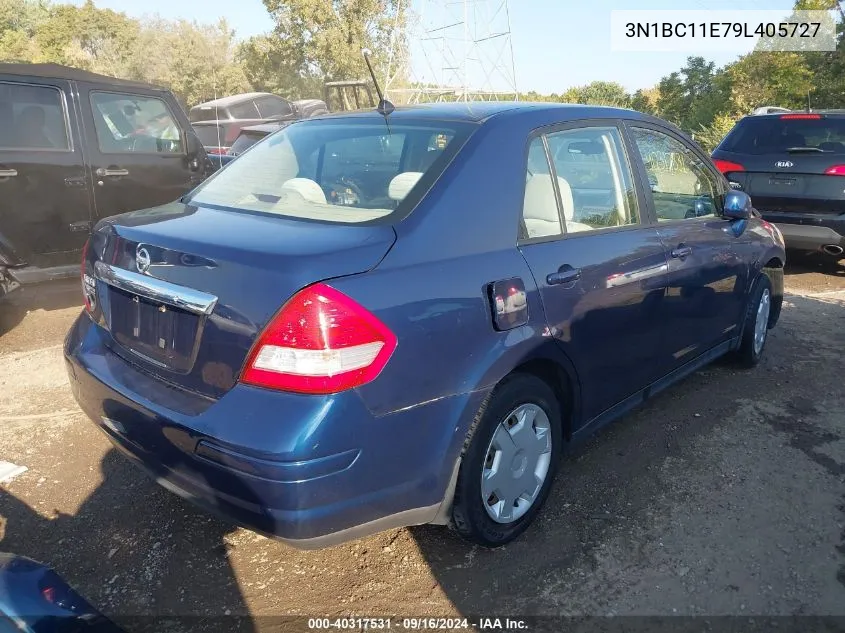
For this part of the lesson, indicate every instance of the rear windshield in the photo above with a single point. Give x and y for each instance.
(244, 141)
(774, 135)
(209, 136)
(335, 170)
(207, 113)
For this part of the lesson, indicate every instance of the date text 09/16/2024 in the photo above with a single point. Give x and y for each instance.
(721, 30)
(416, 624)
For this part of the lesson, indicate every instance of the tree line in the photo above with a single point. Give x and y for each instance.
(314, 41)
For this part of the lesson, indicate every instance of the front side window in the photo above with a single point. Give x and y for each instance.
(681, 185)
(33, 117)
(335, 171)
(134, 124)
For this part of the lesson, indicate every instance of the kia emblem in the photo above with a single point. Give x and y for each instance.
(785, 164)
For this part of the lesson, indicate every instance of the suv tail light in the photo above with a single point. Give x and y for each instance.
(320, 342)
(836, 170)
(801, 116)
(726, 166)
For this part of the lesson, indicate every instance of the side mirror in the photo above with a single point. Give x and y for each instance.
(737, 206)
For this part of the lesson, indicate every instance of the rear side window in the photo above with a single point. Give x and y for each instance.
(338, 171)
(272, 106)
(207, 113)
(246, 110)
(776, 135)
(33, 118)
(134, 124)
(594, 179)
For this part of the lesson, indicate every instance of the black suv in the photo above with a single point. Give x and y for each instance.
(76, 147)
(793, 166)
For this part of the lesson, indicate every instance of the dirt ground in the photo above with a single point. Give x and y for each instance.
(722, 496)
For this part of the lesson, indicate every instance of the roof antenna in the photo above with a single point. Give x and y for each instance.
(808, 102)
(384, 107)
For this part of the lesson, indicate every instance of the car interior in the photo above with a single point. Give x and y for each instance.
(367, 171)
(595, 192)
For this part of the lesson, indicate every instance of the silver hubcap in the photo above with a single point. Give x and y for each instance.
(761, 325)
(516, 463)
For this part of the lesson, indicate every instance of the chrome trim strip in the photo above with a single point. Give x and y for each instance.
(156, 289)
(623, 279)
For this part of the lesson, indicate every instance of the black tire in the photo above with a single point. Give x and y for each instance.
(749, 354)
(469, 515)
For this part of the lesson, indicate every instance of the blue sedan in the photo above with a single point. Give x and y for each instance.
(368, 322)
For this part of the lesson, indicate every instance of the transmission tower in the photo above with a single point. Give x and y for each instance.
(458, 50)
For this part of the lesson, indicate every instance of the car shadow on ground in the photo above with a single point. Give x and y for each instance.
(125, 537)
(56, 295)
(801, 263)
(610, 488)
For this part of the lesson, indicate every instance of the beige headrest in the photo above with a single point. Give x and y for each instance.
(402, 184)
(308, 189)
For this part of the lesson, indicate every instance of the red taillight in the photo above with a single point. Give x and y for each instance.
(216, 150)
(800, 116)
(726, 166)
(836, 170)
(321, 341)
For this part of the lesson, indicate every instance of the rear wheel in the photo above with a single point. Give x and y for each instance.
(509, 462)
(756, 330)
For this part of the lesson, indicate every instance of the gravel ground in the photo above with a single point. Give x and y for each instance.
(722, 496)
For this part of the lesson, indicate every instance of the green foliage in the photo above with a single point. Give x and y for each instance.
(606, 93)
(709, 136)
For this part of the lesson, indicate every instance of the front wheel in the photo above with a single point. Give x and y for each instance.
(756, 330)
(509, 462)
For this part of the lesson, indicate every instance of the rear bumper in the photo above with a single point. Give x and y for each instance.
(310, 471)
(809, 232)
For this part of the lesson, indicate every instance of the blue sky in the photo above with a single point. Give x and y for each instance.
(556, 43)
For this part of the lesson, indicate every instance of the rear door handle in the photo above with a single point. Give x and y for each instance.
(8, 173)
(565, 275)
(681, 252)
(102, 171)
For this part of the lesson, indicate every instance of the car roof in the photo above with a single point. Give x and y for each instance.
(480, 111)
(790, 113)
(224, 102)
(57, 71)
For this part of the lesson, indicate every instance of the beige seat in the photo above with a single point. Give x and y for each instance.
(402, 184)
(540, 210)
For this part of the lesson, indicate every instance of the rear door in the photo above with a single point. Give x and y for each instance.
(788, 163)
(137, 148)
(707, 276)
(45, 200)
(599, 264)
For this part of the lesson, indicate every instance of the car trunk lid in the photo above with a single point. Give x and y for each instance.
(183, 291)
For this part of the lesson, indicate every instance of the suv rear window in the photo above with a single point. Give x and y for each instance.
(776, 135)
(207, 113)
(336, 171)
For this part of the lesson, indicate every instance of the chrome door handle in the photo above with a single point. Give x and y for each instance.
(681, 252)
(102, 171)
(563, 276)
(8, 173)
